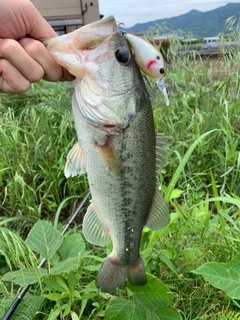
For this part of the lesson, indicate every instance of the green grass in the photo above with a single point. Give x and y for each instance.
(201, 182)
(35, 138)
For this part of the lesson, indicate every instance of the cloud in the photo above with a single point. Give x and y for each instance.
(131, 12)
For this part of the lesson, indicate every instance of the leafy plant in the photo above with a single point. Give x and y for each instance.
(224, 276)
(149, 302)
(66, 261)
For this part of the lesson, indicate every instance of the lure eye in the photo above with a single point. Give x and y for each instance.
(122, 55)
(162, 71)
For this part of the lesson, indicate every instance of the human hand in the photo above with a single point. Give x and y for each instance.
(23, 58)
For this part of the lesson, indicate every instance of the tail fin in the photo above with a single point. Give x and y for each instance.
(112, 275)
(137, 274)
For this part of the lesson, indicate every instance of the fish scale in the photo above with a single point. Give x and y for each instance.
(116, 147)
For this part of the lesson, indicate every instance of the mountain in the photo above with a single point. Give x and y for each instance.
(200, 24)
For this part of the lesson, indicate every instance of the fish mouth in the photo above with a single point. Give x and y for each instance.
(72, 49)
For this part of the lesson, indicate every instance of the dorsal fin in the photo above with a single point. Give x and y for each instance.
(159, 215)
(161, 143)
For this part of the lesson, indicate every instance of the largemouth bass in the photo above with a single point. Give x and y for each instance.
(117, 147)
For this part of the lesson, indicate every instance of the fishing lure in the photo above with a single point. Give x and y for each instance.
(150, 61)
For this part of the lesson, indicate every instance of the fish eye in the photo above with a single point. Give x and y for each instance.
(162, 70)
(122, 55)
(158, 57)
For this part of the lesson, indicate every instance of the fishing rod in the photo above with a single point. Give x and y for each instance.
(24, 290)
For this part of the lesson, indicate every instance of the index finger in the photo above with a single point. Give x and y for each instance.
(37, 27)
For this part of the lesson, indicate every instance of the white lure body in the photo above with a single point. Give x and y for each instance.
(150, 61)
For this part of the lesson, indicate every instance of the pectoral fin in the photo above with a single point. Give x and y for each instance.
(110, 158)
(93, 229)
(75, 162)
(159, 215)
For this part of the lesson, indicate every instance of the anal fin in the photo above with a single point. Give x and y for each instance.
(93, 229)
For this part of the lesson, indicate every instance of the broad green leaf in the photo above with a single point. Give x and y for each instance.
(72, 280)
(99, 259)
(53, 284)
(176, 193)
(154, 295)
(29, 307)
(121, 308)
(25, 276)
(67, 309)
(92, 268)
(168, 313)
(26, 309)
(62, 284)
(83, 306)
(44, 239)
(55, 296)
(54, 314)
(224, 276)
(65, 266)
(71, 246)
(58, 284)
(74, 316)
(148, 302)
(88, 296)
(75, 294)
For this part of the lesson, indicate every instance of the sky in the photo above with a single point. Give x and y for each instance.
(131, 12)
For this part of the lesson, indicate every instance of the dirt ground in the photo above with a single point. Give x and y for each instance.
(220, 66)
